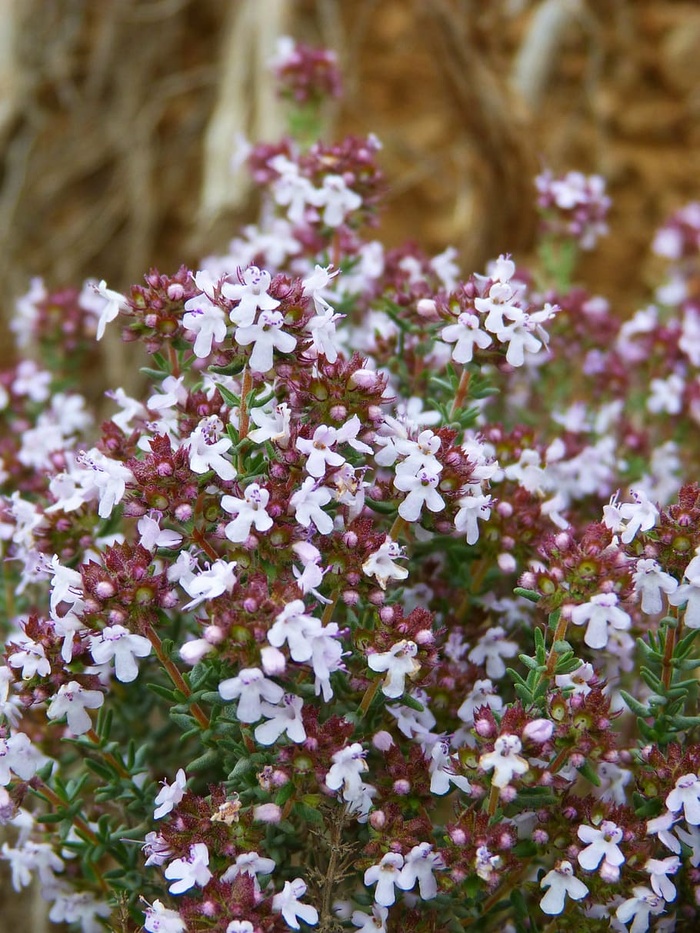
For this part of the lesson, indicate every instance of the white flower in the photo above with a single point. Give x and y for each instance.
(465, 335)
(218, 579)
(288, 904)
(79, 907)
(319, 456)
(442, 771)
(649, 582)
(66, 585)
(399, 662)
(691, 837)
(504, 760)
(170, 794)
(689, 594)
(208, 323)
(72, 701)
(29, 857)
(109, 479)
(250, 687)
(307, 502)
(659, 870)
(686, 796)
(19, 755)
(483, 694)
(31, 658)
(346, 771)
(419, 865)
(381, 564)
(661, 827)
(294, 626)
(561, 881)
(283, 719)
(160, 919)
(152, 536)
(251, 295)
(271, 425)
(598, 613)
(326, 654)
(240, 926)
(630, 517)
(386, 876)
(185, 873)
(267, 335)
(472, 507)
(491, 648)
(206, 454)
(118, 643)
(252, 864)
(248, 511)
(421, 491)
(602, 846)
(337, 200)
(374, 924)
(640, 908)
(114, 302)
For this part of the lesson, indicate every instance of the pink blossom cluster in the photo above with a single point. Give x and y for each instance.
(371, 611)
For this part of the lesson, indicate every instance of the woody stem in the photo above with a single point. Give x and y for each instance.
(175, 676)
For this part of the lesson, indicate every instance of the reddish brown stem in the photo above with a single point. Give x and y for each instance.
(462, 390)
(108, 756)
(175, 676)
(198, 538)
(243, 416)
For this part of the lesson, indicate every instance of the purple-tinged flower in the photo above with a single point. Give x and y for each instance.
(650, 581)
(266, 335)
(399, 662)
(72, 701)
(185, 873)
(153, 536)
(490, 650)
(386, 876)
(382, 565)
(31, 658)
(208, 323)
(307, 502)
(248, 511)
(465, 335)
(686, 796)
(250, 687)
(114, 302)
(688, 594)
(597, 614)
(661, 827)
(156, 849)
(630, 517)
(504, 760)
(283, 719)
(336, 199)
(170, 795)
(640, 908)
(472, 508)
(120, 645)
(251, 295)
(294, 626)
(419, 865)
(249, 863)
(319, 456)
(602, 846)
(218, 579)
(442, 772)
(421, 490)
(19, 755)
(659, 870)
(346, 771)
(288, 904)
(206, 453)
(376, 923)
(561, 882)
(160, 919)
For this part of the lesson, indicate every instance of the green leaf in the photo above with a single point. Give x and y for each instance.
(527, 594)
(586, 770)
(639, 709)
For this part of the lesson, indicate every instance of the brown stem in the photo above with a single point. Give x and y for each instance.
(78, 822)
(397, 528)
(493, 799)
(243, 416)
(329, 886)
(175, 676)
(173, 360)
(666, 665)
(559, 760)
(368, 697)
(198, 538)
(462, 390)
(330, 609)
(559, 635)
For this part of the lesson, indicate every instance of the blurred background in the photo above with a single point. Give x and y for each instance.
(118, 120)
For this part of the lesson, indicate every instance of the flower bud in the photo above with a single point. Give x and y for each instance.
(273, 661)
(377, 819)
(382, 741)
(267, 813)
(193, 651)
(539, 730)
(402, 787)
(506, 563)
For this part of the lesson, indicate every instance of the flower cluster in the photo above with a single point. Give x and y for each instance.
(371, 612)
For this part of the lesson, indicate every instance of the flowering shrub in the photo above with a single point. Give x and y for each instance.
(377, 610)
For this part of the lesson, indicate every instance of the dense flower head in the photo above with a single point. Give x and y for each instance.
(365, 608)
